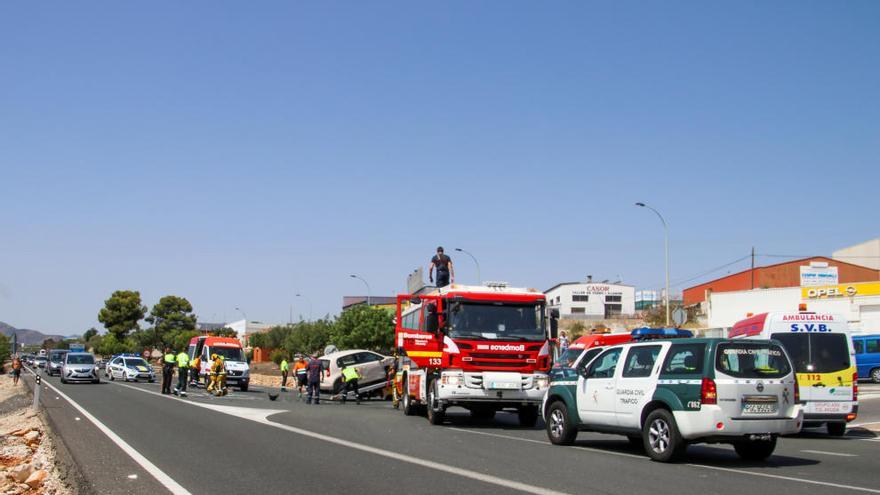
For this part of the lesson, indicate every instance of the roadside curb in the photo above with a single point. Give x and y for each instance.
(68, 469)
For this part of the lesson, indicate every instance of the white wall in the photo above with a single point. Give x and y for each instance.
(595, 305)
(865, 254)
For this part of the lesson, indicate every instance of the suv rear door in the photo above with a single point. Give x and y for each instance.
(753, 379)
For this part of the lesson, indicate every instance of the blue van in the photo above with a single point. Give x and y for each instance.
(868, 356)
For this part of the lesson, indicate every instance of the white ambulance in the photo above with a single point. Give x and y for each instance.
(821, 350)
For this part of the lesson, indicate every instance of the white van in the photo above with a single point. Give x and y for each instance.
(821, 350)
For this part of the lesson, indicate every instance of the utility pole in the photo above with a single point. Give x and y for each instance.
(753, 268)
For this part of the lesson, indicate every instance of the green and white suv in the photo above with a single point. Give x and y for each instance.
(665, 395)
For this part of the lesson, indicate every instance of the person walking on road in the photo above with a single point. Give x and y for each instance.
(315, 371)
(182, 373)
(16, 369)
(350, 377)
(445, 270)
(285, 370)
(300, 372)
(168, 361)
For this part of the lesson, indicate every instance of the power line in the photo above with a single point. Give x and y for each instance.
(707, 272)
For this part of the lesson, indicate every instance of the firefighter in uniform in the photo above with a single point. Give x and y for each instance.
(168, 361)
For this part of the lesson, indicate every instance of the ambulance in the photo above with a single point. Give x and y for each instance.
(821, 350)
(237, 369)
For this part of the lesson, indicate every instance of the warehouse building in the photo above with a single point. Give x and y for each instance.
(589, 300)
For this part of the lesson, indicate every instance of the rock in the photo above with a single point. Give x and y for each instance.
(32, 436)
(21, 472)
(36, 478)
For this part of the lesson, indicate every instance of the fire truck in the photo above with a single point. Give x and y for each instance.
(483, 348)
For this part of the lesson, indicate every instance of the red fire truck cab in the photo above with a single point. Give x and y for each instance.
(484, 348)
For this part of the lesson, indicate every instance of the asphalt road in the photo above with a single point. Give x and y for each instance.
(244, 441)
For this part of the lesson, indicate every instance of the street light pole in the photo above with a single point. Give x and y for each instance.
(479, 278)
(245, 318)
(666, 253)
(310, 304)
(369, 291)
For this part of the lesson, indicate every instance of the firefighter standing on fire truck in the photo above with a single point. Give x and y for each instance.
(445, 270)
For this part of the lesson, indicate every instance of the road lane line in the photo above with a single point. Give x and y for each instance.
(704, 466)
(166, 481)
(547, 444)
(261, 416)
(863, 424)
(787, 478)
(829, 453)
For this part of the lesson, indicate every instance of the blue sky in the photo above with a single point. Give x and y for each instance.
(238, 153)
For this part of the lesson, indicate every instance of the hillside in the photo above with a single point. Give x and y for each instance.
(26, 336)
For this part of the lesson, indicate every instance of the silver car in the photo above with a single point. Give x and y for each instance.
(56, 360)
(79, 367)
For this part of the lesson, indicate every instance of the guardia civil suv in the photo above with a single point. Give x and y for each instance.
(664, 395)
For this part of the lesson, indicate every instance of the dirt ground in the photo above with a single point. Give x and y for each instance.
(27, 455)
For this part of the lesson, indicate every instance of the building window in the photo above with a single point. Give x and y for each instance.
(558, 299)
(612, 298)
(578, 311)
(580, 298)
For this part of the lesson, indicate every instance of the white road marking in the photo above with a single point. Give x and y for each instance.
(702, 466)
(863, 424)
(261, 416)
(145, 463)
(841, 454)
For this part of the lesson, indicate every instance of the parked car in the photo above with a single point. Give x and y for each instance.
(56, 360)
(129, 368)
(868, 356)
(665, 395)
(79, 367)
(372, 366)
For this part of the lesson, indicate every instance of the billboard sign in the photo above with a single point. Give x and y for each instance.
(815, 275)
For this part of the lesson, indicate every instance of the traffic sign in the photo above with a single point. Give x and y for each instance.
(679, 316)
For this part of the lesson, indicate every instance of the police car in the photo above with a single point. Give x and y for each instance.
(129, 367)
(664, 395)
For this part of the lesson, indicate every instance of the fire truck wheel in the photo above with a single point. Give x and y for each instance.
(409, 409)
(435, 410)
(528, 416)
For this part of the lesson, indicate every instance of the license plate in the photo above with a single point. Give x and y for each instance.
(829, 407)
(503, 385)
(759, 408)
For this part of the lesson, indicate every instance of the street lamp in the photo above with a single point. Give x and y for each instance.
(245, 318)
(369, 292)
(666, 251)
(479, 278)
(310, 304)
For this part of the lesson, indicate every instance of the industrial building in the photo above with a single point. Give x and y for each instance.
(590, 300)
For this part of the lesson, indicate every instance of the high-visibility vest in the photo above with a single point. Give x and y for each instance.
(284, 365)
(182, 360)
(350, 373)
(169, 358)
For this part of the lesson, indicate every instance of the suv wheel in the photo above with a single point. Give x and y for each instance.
(662, 440)
(436, 412)
(836, 429)
(559, 428)
(528, 416)
(757, 450)
(875, 375)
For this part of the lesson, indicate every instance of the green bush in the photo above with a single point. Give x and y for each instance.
(277, 356)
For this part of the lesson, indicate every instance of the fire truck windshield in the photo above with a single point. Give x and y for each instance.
(496, 321)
